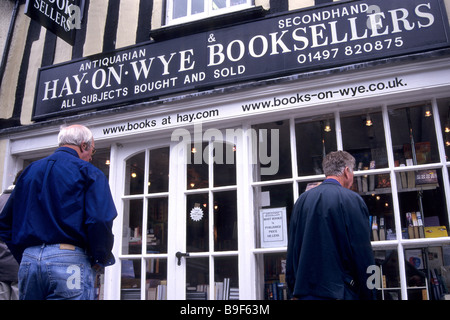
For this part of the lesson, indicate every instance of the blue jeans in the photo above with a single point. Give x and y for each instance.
(49, 272)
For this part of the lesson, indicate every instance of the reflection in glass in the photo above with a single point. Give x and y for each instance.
(132, 227)
(197, 223)
(363, 137)
(314, 138)
(413, 135)
(130, 280)
(197, 278)
(156, 279)
(157, 225)
(225, 221)
(158, 180)
(179, 8)
(134, 174)
(101, 160)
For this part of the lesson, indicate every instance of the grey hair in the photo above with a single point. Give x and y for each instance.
(75, 135)
(335, 162)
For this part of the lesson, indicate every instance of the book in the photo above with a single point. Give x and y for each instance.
(375, 229)
(420, 224)
(410, 225)
(436, 232)
(382, 229)
(415, 225)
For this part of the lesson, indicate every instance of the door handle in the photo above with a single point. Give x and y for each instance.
(179, 255)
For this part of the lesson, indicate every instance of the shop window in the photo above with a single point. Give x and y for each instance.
(130, 279)
(273, 149)
(274, 273)
(444, 115)
(363, 137)
(157, 225)
(314, 138)
(156, 279)
(179, 11)
(413, 134)
(101, 160)
(158, 180)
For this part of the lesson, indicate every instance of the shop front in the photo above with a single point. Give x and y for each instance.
(205, 181)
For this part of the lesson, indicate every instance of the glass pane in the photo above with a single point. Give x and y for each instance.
(130, 283)
(275, 287)
(363, 137)
(237, 2)
(314, 138)
(197, 223)
(197, 168)
(389, 284)
(416, 273)
(158, 180)
(101, 160)
(157, 225)
(226, 278)
(132, 227)
(272, 144)
(444, 115)
(134, 175)
(197, 279)
(224, 164)
(219, 4)
(156, 279)
(179, 8)
(422, 205)
(198, 6)
(225, 221)
(279, 197)
(413, 126)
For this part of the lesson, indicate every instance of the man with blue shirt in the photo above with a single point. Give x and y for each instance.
(329, 247)
(58, 221)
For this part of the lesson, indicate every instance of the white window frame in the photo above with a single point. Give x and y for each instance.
(209, 11)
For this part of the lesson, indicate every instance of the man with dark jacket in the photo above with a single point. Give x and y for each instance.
(329, 247)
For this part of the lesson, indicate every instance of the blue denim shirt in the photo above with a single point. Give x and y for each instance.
(61, 199)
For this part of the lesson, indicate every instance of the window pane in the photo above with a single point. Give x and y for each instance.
(363, 137)
(413, 125)
(277, 196)
(197, 279)
(444, 115)
(219, 4)
(273, 151)
(226, 279)
(197, 168)
(130, 282)
(134, 176)
(158, 180)
(389, 284)
(275, 287)
(157, 225)
(225, 221)
(224, 164)
(132, 227)
(101, 160)
(237, 2)
(198, 6)
(314, 138)
(423, 207)
(179, 8)
(156, 279)
(197, 223)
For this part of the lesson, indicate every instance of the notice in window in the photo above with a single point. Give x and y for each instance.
(273, 227)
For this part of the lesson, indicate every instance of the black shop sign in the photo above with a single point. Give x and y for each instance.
(329, 36)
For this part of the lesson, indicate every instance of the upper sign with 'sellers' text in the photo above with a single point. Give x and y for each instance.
(298, 41)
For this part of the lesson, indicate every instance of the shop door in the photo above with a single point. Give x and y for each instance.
(178, 222)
